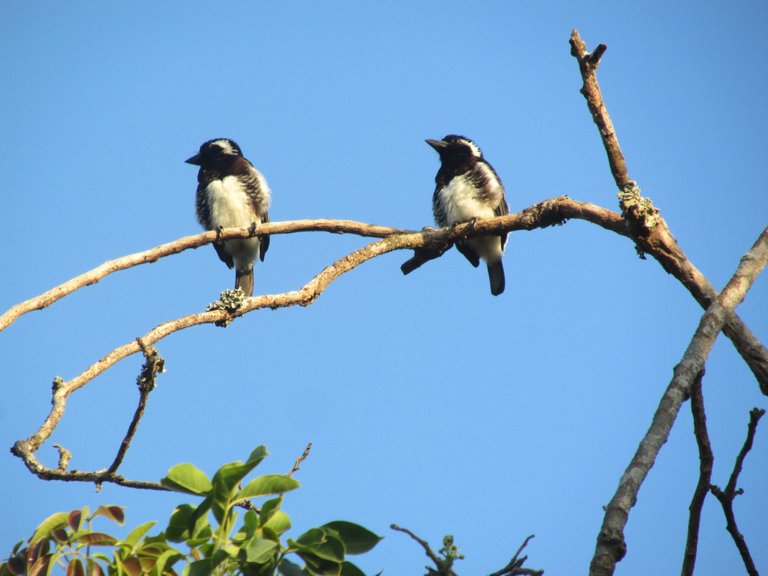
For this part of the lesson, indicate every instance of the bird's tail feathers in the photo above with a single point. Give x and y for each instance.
(496, 276)
(244, 281)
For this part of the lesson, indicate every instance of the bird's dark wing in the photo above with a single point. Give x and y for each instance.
(502, 210)
(469, 253)
(223, 256)
(264, 246)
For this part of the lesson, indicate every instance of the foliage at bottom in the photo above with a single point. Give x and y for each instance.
(226, 533)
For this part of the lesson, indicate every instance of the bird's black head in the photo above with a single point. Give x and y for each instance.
(456, 151)
(214, 151)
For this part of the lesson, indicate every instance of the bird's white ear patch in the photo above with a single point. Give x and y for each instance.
(474, 147)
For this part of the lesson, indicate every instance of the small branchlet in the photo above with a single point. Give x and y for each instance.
(64, 457)
(154, 364)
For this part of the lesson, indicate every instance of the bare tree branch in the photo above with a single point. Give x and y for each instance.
(436, 560)
(544, 214)
(588, 63)
(300, 460)
(646, 226)
(706, 460)
(540, 215)
(515, 566)
(727, 496)
(146, 381)
(611, 546)
(154, 254)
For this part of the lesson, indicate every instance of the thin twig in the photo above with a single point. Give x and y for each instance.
(611, 546)
(706, 461)
(153, 365)
(591, 90)
(727, 496)
(515, 566)
(427, 549)
(300, 460)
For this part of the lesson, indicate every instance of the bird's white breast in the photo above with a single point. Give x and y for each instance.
(462, 201)
(230, 206)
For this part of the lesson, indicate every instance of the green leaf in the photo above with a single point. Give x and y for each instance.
(288, 568)
(167, 558)
(331, 548)
(187, 478)
(357, 539)
(349, 569)
(48, 525)
(136, 534)
(268, 509)
(310, 538)
(250, 522)
(187, 523)
(114, 513)
(316, 565)
(268, 484)
(202, 567)
(199, 518)
(259, 550)
(206, 566)
(227, 479)
(179, 523)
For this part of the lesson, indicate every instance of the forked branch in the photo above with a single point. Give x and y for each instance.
(646, 226)
(727, 496)
(541, 215)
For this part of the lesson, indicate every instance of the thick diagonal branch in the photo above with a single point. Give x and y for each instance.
(611, 546)
(646, 226)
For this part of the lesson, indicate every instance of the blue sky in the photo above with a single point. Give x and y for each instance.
(430, 403)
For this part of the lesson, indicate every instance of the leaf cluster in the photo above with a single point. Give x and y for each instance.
(209, 538)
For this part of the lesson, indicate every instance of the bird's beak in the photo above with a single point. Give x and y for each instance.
(194, 160)
(438, 145)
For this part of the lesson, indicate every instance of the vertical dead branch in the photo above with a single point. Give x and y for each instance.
(588, 62)
(706, 460)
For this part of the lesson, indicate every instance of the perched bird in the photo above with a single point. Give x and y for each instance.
(468, 188)
(231, 193)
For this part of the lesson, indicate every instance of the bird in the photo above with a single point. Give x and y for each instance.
(231, 193)
(467, 188)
